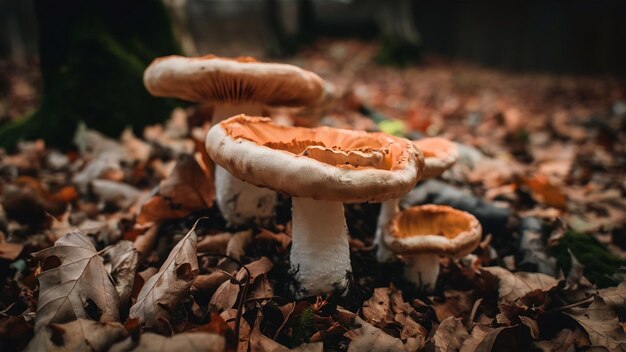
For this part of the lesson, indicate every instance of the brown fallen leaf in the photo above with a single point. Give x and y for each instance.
(377, 310)
(187, 189)
(614, 297)
(78, 335)
(544, 191)
(601, 324)
(481, 339)
(163, 291)
(512, 286)
(564, 341)
(74, 283)
(454, 304)
(367, 337)
(9, 251)
(121, 262)
(136, 149)
(261, 343)
(215, 244)
(226, 295)
(282, 240)
(190, 341)
(449, 335)
(209, 282)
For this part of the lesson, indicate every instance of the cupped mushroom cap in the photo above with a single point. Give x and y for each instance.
(439, 155)
(224, 80)
(433, 229)
(321, 163)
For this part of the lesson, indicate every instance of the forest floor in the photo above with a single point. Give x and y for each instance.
(542, 163)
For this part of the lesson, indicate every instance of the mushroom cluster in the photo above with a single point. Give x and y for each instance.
(320, 168)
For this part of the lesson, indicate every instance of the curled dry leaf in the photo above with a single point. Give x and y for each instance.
(367, 337)
(481, 339)
(512, 286)
(187, 189)
(545, 192)
(74, 283)
(121, 261)
(163, 291)
(449, 335)
(564, 341)
(226, 295)
(78, 335)
(191, 341)
(602, 324)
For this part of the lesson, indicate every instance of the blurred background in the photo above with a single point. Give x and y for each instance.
(69, 60)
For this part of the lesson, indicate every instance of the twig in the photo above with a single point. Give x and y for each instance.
(243, 288)
(583, 302)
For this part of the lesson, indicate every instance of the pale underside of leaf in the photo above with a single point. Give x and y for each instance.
(167, 287)
(79, 281)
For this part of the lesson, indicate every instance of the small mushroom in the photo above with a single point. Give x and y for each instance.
(422, 233)
(321, 168)
(440, 154)
(236, 86)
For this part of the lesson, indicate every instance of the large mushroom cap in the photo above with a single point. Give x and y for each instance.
(433, 229)
(321, 163)
(222, 80)
(439, 155)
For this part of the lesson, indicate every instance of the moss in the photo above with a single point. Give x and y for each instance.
(303, 327)
(599, 264)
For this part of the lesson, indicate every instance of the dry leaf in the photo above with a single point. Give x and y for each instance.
(377, 309)
(78, 335)
(163, 291)
(450, 335)
(455, 304)
(262, 343)
(513, 286)
(226, 295)
(564, 341)
(481, 339)
(215, 244)
(601, 323)
(187, 189)
(120, 194)
(9, 251)
(545, 192)
(614, 297)
(74, 284)
(121, 262)
(191, 341)
(370, 338)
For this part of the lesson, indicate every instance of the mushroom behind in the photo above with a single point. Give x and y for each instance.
(236, 86)
(440, 154)
(321, 168)
(422, 233)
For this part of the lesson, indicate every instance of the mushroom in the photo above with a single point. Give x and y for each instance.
(236, 86)
(439, 155)
(321, 168)
(422, 233)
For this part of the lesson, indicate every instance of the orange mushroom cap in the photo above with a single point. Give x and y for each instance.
(321, 163)
(224, 80)
(433, 229)
(439, 155)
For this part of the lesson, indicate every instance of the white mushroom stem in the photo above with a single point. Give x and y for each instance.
(320, 253)
(241, 202)
(388, 210)
(422, 270)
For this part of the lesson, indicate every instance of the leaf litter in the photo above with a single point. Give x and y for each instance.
(119, 261)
